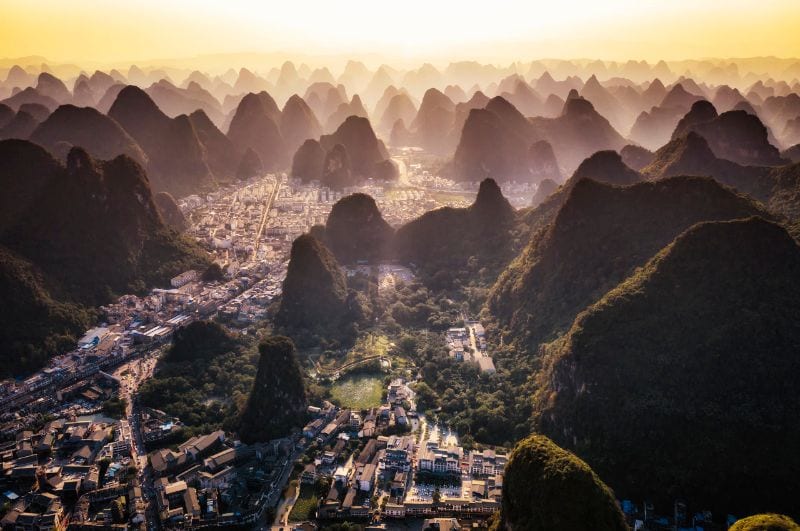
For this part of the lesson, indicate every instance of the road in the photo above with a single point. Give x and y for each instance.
(285, 508)
(267, 207)
(132, 374)
(274, 494)
(335, 372)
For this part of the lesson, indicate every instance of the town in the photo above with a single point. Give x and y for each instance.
(81, 452)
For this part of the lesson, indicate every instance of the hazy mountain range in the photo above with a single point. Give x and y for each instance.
(642, 306)
(192, 130)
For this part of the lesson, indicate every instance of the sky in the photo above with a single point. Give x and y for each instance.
(120, 32)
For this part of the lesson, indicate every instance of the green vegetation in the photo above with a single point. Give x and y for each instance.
(33, 325)
(118, 510)
(213, 273)
(200, 340)
(315, 301)
(366, 346)
(277, 401)
(115, 407)
(79, 235)
(488, 408)
(355, 230)
(690, 366)
(453, 246)
(305, 506)
(203, 379)
(546, 488)
(565, 269)
(358, 391)
(766, 522)
(776, 187)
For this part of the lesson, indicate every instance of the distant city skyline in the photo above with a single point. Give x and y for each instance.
(98, 32)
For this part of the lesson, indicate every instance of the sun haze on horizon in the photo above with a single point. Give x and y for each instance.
(101, 32)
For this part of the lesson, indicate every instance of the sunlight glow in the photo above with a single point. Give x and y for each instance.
(501, 30)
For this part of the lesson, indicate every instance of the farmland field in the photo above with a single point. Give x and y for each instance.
(359, 391)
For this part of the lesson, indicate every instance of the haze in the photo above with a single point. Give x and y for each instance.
(100, 32)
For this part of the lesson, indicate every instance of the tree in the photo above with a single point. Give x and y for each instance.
(546, 487)
(426, 397)
(115, 407)
(118, 510)
(766, 522)
(277, 400)
(213, 273)
(322, 485)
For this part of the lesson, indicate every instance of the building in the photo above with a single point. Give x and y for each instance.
(397, 455)
(437, 461)
(93, 337)
(486, 463)
(184, 278)
(400, 416)
(365, 477)
(309, 475)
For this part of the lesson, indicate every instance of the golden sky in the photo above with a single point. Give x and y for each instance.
(119, 32)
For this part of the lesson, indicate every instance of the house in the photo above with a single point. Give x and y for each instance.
(338, 448)
(399, 392)
(341, 475)
(91, 479)
(174, 491)
(397, 455)
(327, 432)
(400, 416)
(486, 463)
(309, 474)
(165, 461)
(394, 510)
(218, 480)
(328, 509)
(440, 461)
(313, 428)
(397, 488)
(199, 447)
(343, 418)
(220, 460)
(190, 474)
(369, 429)
(82, 456)
(365, 477)
(190, 503)
(441, 524)
(370, 450)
